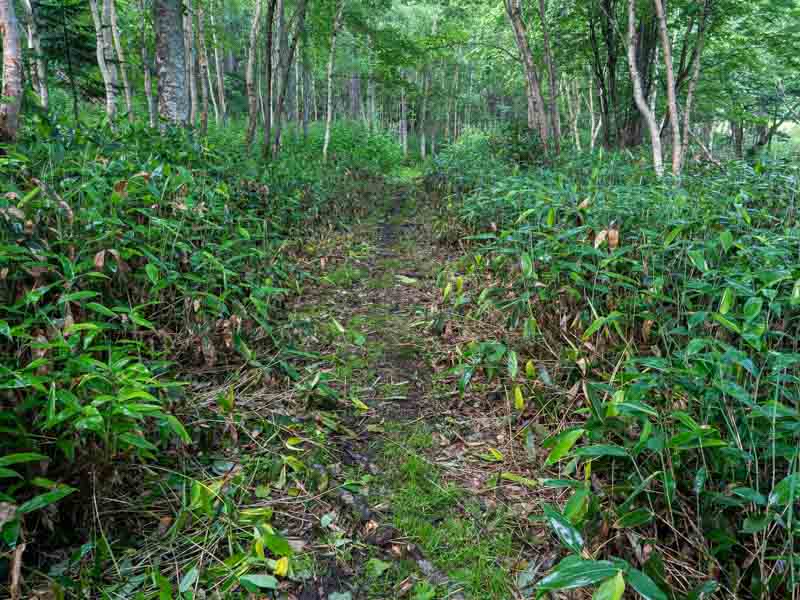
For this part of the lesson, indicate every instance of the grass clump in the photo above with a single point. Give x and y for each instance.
(469, 545)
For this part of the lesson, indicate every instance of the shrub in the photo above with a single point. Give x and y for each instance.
(674, 313)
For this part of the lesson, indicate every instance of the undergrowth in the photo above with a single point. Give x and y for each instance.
(128, 262)
(663, 316)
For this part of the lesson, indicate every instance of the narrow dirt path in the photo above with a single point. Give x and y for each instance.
(419, 512)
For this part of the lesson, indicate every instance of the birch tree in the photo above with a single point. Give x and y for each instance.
(337, 23)
(117, 38)
(250, 75)
(223, 107)
(536, 111)
(39, 76)
(11, 92)
(147, 69)
(109, 81)
(173, 98)
(638, 95)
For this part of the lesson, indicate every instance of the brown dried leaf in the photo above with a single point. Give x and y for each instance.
(601, 237)
(613, 238)
(100, 259)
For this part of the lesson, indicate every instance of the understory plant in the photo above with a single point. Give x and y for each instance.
(671, 312)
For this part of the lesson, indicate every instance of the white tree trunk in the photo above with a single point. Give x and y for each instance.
(11, 92)
(191, 71)
(148, 83)
(223, 107)
(337, 23)
(250, 75)
(105, 71)
(126, 86)
(638, 94)
(205, 67)
(35, 45)
(672, 100)
(173, 95)
(687, 111)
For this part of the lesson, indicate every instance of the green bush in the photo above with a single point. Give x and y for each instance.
(674, 310)
(122, 259)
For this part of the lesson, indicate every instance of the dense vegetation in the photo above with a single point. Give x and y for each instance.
(669, 316)
(325, 299)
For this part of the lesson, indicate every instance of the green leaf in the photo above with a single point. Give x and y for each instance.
(254, 583)
(102, 310)
(672, 235)
(598, 450)
(726, 323)
(513, 366)
(787, 490)
(611, 589)
(187, 581)
(754, 524)
(5, 473)
(164, 586)
(42, 500)
(645, 586)
(563, 445)
(726, 239)
(20, 457)
(526, 264)
(635, 518)
(752, 308)
(152, 272)
(5, 329)
(376, 567)
(508, 476)
(565, 530)
(726, 302)
(594, 327)
(137, 441)
(178, 428)
(575, 572)
(277, 544)
(794, 299)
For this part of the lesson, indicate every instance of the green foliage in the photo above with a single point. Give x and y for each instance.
(124, 262)
(676, 311)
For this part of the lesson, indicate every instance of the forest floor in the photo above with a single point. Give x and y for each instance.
(428, 491)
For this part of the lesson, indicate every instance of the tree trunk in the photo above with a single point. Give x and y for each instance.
(126, 86)
(403, 122)
(536, 112)
(11, 92)
(105, 70)
(695, 76)
(173, 98)
(223, 107)
(250, 76)
(423, 113)
(672, 100)
(307, 91)
(641, 102)
(35, 45)
(108, 46)
(268, 80)
(188, 42)
(205, 68)
(555, 117)
(300, 15)
(337, 23)
(148, 83)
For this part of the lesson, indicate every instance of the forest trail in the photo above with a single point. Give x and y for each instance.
(423, 510)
